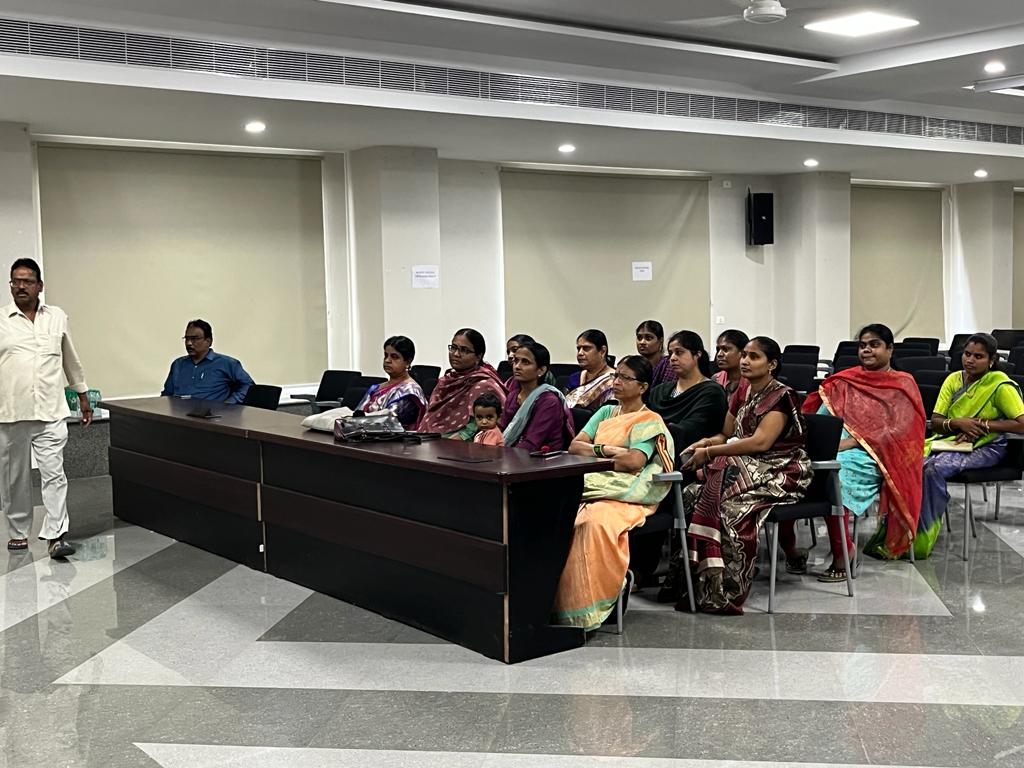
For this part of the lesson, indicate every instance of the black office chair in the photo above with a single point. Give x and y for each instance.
(929, 377)
(842, 363)
(423, 373)
(329, 394)
(265, 396)
(353, 396)
(1008, 338)
(428, 387)
(803, 349)
(562, 383)
(959, 340)
(846, 349)
(929, 394)
(824, 496)
(913, 364)
(1009, 470)
(558, 370)
(956, 359)
(932, 343)
(799, 377)
(905, 351)
(799, 358)
(580, 417)
(504, 370)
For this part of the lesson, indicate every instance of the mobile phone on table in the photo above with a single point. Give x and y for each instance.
(547, 454)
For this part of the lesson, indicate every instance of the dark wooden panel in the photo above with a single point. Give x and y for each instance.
(223, 452)
(467, 558)
(222, 492)
(541, 518)
(203, 526)
(442, 606)
(460, 504)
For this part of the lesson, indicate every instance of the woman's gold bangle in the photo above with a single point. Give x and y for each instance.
(945, 425)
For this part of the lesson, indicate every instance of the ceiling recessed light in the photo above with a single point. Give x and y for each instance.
(861, 24)
(810, 162)
(255, 126)
(995, 67)
(981, 173)
(566, 149)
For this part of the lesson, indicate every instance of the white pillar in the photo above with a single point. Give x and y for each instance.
(19, 207)
(396, 224)
(978, 257)
(811, 275)
(342, 321)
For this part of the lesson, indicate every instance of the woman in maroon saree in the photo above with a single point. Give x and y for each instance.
(757, 462)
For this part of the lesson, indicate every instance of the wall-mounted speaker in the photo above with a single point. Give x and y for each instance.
(760, 218)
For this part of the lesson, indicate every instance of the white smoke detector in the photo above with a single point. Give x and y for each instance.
(764, 12)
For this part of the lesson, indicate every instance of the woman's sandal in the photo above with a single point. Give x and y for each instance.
(16, 545)
(832, 575)
(797, 563)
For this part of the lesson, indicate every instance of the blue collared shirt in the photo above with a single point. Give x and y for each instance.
(215, 377)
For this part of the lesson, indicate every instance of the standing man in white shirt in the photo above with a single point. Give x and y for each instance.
(36, 354)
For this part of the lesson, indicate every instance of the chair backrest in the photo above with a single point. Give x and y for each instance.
(846, 349)
(1018, 378)
(958, 340)
(504, 370)
(611, 360)
(913, 364)
(562, 383)
(428, 387)
(423, 373)
(928, 377)
(265, 396)
(805, 349)
(334, 383)
(1016, 358)
(799, 377)
(561, 369)
(580, 417)
(932, 343)
(1008, 338)
(799, 358)
(929, 394)
(823, 435)
(901, 351)
(842, 363)
(956, 359)
(353, 396)
(366, 381)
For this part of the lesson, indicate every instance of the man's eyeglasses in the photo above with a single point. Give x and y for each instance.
(624, 377)
(193, 339)
(23, 283)
(461, 350)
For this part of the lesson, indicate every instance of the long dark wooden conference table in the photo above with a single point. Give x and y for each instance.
(464, 541)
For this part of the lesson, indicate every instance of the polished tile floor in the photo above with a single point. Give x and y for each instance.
(141, 651)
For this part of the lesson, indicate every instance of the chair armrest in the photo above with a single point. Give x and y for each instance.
(668, 477)
(327, 403)
(307, 398)
(818, 465)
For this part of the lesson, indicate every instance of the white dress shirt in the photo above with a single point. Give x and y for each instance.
(35, 358)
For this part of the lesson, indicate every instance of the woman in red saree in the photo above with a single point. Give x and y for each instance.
(881, 450)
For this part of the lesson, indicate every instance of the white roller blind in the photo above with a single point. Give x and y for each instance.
(569, 244)
(1018, 261)
(135, 244)
(896, 260)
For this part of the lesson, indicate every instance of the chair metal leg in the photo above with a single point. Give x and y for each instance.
(775, 562)
(846, 558)
(856, 548)
(984, 492)
(814, 532)
(912, 559)
(618, 611)
(967, 522)
(681, 521)
(999, 488)
(945, 514)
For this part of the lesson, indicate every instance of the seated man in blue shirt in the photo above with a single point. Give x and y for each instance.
(203, 374)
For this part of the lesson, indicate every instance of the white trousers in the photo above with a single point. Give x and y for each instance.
(17, 441)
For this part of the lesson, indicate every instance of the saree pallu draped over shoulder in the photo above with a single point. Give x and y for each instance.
(737, 495)
(450, 410)
(613, 504)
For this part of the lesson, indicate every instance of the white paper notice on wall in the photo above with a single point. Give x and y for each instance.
(643, 271)
(426, 276)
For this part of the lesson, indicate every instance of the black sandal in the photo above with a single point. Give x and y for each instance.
(59, 549)
(797, 563)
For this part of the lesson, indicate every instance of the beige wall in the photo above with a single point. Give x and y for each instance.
(137, 243)
(896, 261)
(1018, 261)
(569, 244)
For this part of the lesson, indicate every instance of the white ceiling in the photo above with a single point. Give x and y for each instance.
(921, 71)
(55, 107)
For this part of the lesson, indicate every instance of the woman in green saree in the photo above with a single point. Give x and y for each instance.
(977, 406)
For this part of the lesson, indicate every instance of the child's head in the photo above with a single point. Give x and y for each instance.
(486, 410)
